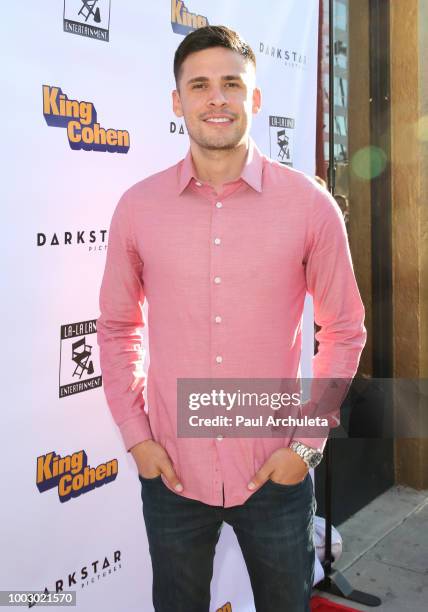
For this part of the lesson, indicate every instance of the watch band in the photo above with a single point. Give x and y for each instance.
(311, 456)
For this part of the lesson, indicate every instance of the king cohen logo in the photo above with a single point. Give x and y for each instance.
(281, 138)
(183, 21)
(92, 240)
(80, 120)
(71, 475)
(79, 368)
(290, 58)
(89, 18)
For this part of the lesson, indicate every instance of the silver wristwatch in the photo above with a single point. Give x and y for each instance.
(311, 456)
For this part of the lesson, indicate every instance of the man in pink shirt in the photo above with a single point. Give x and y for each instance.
(223, 246)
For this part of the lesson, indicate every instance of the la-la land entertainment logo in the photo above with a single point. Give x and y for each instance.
(281, 139)
(72, 475)
(80, 120)
(79, 368)
(183, 20)
(89, 18)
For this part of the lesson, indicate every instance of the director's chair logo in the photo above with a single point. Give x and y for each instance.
(81, 353)
(281, 138)
(79, 368)
(89, 18)
(89, 9)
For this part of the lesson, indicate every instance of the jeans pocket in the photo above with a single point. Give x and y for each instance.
(153, 479)
(289, 486)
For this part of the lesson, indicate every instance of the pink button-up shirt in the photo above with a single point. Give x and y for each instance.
(225, 277)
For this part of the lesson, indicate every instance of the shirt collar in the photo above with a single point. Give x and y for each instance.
(251, 172)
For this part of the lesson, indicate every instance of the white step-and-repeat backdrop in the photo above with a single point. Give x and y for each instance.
(71, 70)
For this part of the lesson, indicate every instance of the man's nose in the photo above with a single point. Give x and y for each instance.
(217, 97)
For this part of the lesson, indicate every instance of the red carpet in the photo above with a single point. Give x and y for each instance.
(319, 604)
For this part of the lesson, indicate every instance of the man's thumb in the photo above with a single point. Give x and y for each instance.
(171, 476)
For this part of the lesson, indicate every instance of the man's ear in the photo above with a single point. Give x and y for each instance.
(176, 104)
(257, 100)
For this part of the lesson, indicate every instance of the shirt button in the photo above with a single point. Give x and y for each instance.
(198, 184)
(219, 358)
(219, 437)
(217, 280)
(218, 319)
(219, 204)
(217, 241)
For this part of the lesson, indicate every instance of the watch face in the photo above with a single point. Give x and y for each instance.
(315, 459)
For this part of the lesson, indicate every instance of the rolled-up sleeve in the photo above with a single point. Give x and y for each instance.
(338, 310)
(119, 329)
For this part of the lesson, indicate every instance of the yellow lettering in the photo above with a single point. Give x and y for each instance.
(63, 465)
(176, 11)
(111, 467)
(71, 109)
(100, 472)
(88, 135)
(73, 131)
(77, 462)
(99, 136)
(89, 476)
(122, 138)
(64, 487)
(111, 138)
(50, 106)
(85, 112)
(77, 482)
(43, 467)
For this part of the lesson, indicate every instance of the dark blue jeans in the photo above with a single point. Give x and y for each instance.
(274, 530)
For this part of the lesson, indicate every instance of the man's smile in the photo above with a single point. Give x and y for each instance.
(219, 119)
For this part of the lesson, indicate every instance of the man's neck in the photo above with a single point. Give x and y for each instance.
(218, 167)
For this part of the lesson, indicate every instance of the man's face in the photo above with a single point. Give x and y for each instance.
(217, 96)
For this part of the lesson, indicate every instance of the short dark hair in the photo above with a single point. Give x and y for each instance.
(207, 37)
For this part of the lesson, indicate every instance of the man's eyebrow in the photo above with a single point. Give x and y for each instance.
(202, 79)
(197, 80)
(232, 77)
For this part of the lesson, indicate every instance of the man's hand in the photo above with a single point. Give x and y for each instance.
(284, 466)
(152, 460)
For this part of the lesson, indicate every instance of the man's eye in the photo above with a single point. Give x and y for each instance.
(233, 84)
(198, 86)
